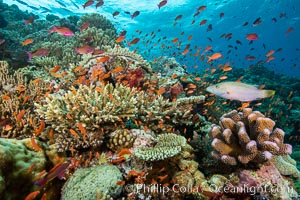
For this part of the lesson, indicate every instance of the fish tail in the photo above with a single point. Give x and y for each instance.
(268, 93)
(29, 55)
(209, 58)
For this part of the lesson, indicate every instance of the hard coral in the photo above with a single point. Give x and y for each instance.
(17, 117)
(101, 181)
(247, 137)
(168, 145)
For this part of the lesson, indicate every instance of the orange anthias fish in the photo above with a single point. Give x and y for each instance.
(203, 22)
(252, 36)
(88, 3)
(29, 21)
(27, 42)
(239, 91)
(214, 57)
(162, 3)
(37, 52)
(270, 53)
(84, 26)
(134, 41)
(85, 49)
(120, 39)
(61, 30)
(32, 195)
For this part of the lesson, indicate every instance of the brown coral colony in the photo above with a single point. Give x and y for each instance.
(247, 136)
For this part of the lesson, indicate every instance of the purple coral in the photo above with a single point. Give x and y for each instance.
(247, 136)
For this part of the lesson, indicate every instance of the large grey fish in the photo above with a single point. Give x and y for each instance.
(239, 91)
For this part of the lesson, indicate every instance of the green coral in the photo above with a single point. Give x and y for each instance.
(286, 166)
(168, 145)
(98, 21)
(15, 160)
(89, 183)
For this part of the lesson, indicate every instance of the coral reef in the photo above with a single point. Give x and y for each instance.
(19, 167)
(247, 137)
(16, 104)
(98, 182)
(167, 66)
(98, 21)
(120, 139)
(265, 181)
(167, 145)
(97, 109)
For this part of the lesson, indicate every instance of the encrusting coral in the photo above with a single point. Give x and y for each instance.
(92, 182)
(286, 166)
(247, 136)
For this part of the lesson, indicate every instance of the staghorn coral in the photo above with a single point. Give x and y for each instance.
(167, 145)
(246, 137)
(93, 109)
(16, 103)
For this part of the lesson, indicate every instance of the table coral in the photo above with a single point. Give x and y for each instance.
(247, 136)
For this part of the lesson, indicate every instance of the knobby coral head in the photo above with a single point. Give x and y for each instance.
(245, 137)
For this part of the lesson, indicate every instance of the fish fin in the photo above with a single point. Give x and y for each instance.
(209, 58)
(61, 175)
(29, 55)
(41, 182)
(268, 93)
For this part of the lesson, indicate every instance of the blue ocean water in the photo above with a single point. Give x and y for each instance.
(157, 28)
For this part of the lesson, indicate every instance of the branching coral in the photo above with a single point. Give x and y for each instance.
(247, 137)
(16, 103)
(118, 56)
(167, 145)
(100, 109)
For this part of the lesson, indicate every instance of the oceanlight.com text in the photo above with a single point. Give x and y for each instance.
(176, 188)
